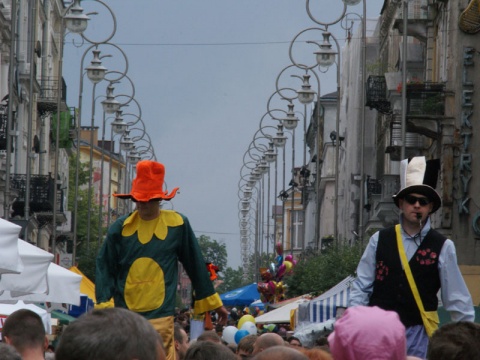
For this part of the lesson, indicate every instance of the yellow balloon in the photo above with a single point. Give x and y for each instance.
(288, 266)
(244, 319)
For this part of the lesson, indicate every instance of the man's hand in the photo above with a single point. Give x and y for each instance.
(222, 315)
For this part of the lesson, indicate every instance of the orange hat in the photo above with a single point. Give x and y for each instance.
(148, 184)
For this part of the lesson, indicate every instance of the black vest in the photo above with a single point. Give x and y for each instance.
(391, 290)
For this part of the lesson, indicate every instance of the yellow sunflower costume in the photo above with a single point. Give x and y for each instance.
(137, 264)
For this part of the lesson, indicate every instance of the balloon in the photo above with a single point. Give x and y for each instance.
(288, 266)
(228, 334)
(273, 268)
(279, 260)
(266, 274)
(289, 257)
(271, 286)
(279, 248)
(240, 334)
(250, 327)
(244, 319)
(281, 271)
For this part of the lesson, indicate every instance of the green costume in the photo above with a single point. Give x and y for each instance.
(137, 265)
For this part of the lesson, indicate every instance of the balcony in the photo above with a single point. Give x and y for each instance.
(42, 197)
(425, 100)
(47, 102)
(376, 94)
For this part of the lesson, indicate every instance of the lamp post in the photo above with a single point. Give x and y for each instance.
(76, 22)
(96, 73)
(325, 57)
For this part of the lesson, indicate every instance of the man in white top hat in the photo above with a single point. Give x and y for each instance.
(381, 280)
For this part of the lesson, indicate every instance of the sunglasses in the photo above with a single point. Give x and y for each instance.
(412, 200)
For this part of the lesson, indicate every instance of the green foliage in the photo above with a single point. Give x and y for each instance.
(232, 279)
(213, 251)
(320, 272)
(87, 254)
(86, 246)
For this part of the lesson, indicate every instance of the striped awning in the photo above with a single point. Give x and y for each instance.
(324, 307)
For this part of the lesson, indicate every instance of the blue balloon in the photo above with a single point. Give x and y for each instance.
(240, 334)
(279, 260)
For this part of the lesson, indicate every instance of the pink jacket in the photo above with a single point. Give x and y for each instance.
(368, 333)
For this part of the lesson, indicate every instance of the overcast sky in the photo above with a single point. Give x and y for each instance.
(203, 72)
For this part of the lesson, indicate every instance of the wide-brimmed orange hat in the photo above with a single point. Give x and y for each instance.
(148, 184)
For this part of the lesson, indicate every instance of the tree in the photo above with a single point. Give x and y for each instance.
(213, 251)
(86, 248)
(232, 279)
(318, 273)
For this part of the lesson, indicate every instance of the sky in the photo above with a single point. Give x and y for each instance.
(203, 72)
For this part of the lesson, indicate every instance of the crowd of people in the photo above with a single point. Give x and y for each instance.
(362, 333)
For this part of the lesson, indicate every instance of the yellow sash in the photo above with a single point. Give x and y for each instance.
(430, 318)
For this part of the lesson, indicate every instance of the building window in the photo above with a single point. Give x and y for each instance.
(297, 231)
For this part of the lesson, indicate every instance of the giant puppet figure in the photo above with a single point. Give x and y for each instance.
(137, 264)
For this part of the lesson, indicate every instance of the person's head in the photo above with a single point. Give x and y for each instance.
(147, 188)
(282, 332)
(182, 320)
(322, 341)
(180, 338)
(210, 336)
(8, 352)
(316, 354)
(365, 332)
(207, 350)
(417, 197)
(245, 346)
(24, 330)
(294, 341)
(266, 341)
(456, 340)
(100, 334)
(280, 352)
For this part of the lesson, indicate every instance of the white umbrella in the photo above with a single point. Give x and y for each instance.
(33, 277)
(9, 257)
(7, 309)
(63, 288)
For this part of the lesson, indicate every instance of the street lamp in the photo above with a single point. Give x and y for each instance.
(96, 71)
(325, 57)
(306, 95)
(94, 45)
(110, 104)
(290, 121)
(75, 20)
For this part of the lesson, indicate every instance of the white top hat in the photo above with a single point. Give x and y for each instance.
(417, 175)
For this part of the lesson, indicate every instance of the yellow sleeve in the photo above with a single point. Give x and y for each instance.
(209, 303)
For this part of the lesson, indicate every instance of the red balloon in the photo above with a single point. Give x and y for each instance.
(279, 248)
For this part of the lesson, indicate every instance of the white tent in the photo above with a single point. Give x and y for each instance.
(324, 307)
(33, 275)
(63, 287)
(7, 309)
(280, 315)
(9, 258)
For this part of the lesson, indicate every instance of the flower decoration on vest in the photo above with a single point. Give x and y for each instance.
(426, 257)
(381, 271)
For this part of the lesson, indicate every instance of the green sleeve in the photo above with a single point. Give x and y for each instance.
(190, 255)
